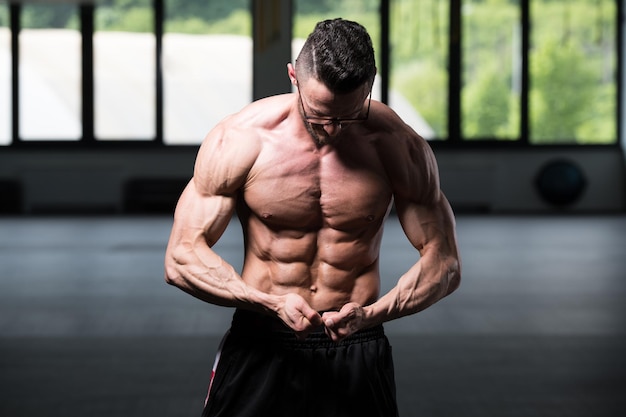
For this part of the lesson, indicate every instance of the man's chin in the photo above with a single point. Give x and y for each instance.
(320, 139)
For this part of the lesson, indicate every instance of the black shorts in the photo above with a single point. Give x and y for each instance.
(263, 370)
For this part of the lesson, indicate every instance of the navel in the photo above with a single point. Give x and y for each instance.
(315, 193)
(313, 288)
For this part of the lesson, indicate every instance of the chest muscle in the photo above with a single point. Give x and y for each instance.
(310, 191)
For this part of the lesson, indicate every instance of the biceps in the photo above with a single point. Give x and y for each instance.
(202, 215)
(430, 225)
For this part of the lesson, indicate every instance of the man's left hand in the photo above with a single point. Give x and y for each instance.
(341, 324)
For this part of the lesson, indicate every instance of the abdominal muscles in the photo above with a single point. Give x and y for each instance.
(327, 267)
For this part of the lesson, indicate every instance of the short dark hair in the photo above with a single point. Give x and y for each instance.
(339, 53)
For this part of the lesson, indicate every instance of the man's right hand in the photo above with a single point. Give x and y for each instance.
(299, 315)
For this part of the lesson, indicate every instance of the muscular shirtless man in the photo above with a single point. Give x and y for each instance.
(312, 176)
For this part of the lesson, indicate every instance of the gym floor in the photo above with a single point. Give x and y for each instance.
(88, 326)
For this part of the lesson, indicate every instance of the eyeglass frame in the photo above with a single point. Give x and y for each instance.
(336, 121)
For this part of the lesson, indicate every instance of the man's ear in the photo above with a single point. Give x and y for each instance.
(291, 71)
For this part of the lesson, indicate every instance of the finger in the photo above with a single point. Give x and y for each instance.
(340, 325)
(306, 326)
(335, 318)
(328, 319)
(332, 334)
(338, 334)
(311, 315)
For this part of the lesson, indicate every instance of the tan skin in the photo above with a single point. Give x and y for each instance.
(312, 200)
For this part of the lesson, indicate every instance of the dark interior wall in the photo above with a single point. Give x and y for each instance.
(140, 180)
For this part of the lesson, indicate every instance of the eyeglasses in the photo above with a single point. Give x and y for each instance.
(336, 121)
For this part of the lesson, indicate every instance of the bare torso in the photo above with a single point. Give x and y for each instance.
(312, 210)
(313, 215)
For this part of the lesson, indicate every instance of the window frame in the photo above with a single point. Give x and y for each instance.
(455, 72)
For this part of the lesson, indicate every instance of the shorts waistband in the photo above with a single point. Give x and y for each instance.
(247, 323)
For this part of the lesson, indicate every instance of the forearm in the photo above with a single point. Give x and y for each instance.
(205, 275)
(429, 280)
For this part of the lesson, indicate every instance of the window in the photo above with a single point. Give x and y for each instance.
(5, 75)
(207, 65)
(50, 73)
(573, 58)
(124, 71)
(418, 80)
(164, 72)
(492, 70)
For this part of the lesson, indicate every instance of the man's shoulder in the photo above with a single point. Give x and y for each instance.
(264, 113)
(247, 125)
(407, 157)
(395, 138)
(232, 147)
